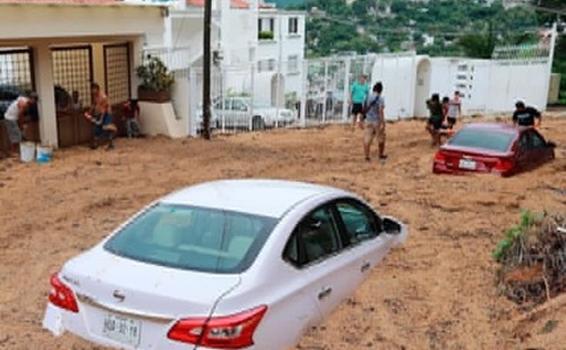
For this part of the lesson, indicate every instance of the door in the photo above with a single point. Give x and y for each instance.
(240, 113)
(532, 150)
(72, 73)
(117, 81)
(328, 270)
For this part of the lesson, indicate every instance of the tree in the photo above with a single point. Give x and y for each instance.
(479, 45)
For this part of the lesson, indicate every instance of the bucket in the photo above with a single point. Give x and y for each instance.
(44, 154)
(27, 151)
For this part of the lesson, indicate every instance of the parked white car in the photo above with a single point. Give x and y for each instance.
(222, 265)
(236, 113)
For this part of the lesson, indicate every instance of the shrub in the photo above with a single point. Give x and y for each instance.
(155, 76)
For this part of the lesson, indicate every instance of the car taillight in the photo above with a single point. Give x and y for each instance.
(503, 165)
(228, 332)
(61, 295)
(440, 157)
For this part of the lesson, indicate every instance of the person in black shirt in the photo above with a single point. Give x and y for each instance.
(525, 116)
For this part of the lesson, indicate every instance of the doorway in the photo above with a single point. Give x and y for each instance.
(422, 88)
(73, 76)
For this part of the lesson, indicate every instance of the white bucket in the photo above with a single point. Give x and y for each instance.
(44, 154)
(27, 151)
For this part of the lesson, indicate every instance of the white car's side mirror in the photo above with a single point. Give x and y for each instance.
(395, 228)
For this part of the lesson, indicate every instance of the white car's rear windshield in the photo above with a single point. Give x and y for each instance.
(477, 138)
(193, 238)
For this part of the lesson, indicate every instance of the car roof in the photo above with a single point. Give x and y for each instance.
(271, 198)
(495, 127)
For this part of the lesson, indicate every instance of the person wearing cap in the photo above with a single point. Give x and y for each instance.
(14, 118)
(525, 116)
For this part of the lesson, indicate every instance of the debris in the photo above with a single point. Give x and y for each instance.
(533, 258)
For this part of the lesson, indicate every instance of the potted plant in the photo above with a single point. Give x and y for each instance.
(156, 81)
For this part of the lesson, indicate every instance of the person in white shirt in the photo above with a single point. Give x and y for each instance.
(14, 117)
(454, 110)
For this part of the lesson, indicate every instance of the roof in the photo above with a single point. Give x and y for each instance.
(238, 4)
(62, 2)
(258, 197)
(241, 4)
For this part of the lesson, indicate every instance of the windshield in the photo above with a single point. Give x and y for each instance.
(193, 238)
(477, 138)
(262, 104)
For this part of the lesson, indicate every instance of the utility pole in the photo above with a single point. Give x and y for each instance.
(206, 70)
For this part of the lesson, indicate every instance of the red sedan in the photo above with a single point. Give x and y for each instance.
(493, 148)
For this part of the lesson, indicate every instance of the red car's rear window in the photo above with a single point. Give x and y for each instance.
(484, 139)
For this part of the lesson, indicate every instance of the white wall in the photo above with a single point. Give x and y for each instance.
(397, 73)
(44, 21)
(488, 86)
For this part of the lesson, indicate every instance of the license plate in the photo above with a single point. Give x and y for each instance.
(122, 329)
(467, 164)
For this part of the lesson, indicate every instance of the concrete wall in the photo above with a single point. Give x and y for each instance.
(160, 119)
(488, 86)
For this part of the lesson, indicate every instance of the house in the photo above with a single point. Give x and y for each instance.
(57, 47)
(258, 51)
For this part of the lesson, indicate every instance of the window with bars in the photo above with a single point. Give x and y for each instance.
(117, 72)
(72, 72)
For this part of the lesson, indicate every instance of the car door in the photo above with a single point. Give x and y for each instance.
(326, 267)
(240, 112)
(364, 231)
(539, 148)
(524, 155)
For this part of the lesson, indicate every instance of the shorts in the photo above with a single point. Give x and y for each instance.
(357, 109)
(374, 129)
(13, 130)
(436, 122)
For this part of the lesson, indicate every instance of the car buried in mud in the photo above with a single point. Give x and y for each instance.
(222, 265)
(493, 148)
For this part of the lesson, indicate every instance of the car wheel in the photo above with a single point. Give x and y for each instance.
(258, 123)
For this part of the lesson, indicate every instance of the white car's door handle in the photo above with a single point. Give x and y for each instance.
(324, 293)
(365, 267)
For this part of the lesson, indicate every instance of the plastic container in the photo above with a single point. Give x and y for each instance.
(27, 151)
(44, 154)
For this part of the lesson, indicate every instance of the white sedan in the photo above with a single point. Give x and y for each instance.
(222, 265)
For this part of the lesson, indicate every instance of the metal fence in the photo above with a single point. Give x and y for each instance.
(271, 94)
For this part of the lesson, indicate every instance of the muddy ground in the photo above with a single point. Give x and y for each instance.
(436, 292)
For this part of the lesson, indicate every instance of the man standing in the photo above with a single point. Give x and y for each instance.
(14, 118)
(358, 95)
(375, 122)
(525, 116)
(454, 110)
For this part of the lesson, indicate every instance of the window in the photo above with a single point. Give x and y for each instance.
(193, 238)
(359, 221)
(239, 105)
(267, 65)
(293, 25)
(475, 138)
(293, 64)
(314, 238)
(531, 140)
(266, 25)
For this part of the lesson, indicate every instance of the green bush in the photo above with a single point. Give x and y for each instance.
(265, 35)
(528, 219)
(155, 76)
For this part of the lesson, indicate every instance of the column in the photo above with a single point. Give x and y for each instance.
(44, 85)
